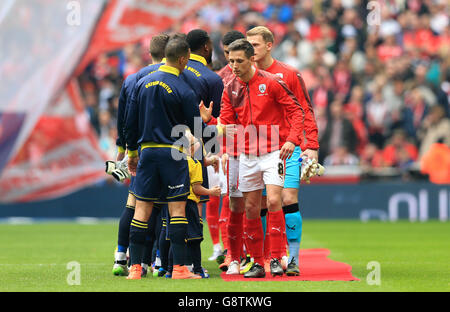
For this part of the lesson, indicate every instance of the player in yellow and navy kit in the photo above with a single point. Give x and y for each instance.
(195, 221)
(207, 85)
(157, 46)
(161, 101)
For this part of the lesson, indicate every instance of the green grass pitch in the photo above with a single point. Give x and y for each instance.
(412, 257)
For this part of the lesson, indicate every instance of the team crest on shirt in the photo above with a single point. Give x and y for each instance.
(280, 75)
(262, 88)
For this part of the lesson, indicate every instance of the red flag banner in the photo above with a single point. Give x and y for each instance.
(60, 156)
(127, 21)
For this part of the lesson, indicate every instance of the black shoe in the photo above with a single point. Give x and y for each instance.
(292, 269)
(220, 259)
(144, 272)
(256, 271)
(275, 267)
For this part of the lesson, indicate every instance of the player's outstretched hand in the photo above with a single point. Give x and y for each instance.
(132, 164)
(216, 191)
(212, 160)
(205, 112)
(286, 150)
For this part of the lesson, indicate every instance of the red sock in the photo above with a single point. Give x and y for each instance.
(255, 239)
(276, 227)
(267, 240)
(212, 217)
(244, 250)
(223, 221)
(235, 232)
(267, 246)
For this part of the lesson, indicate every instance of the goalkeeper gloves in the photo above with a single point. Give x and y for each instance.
(310, 169)
(118, 169)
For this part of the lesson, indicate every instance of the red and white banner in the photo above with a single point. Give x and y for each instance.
(42, 43)
(47, 147)
(128, 21)
(60, 156)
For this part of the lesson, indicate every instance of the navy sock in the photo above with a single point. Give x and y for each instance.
(187, 255)
(164, 247)
(138, 232)
(124, 229)
(170, 263)
(196, 254)
(177, 235)
(148, 250)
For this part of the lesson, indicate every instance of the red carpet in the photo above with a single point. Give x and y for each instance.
(314, 266)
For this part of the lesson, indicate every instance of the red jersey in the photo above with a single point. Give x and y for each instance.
(265, 107)
(296, 84)
(226, 73)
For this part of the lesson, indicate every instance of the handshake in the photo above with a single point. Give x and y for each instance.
(310, 169)
(118, 169)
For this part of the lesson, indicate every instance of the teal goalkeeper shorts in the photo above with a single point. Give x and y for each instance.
(292, 177)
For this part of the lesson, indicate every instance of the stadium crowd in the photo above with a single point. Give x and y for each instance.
(378, 75)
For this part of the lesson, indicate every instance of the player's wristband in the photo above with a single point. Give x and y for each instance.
(120, 149)
(132, 153)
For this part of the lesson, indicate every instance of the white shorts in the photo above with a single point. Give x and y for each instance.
(257, 171)
(217, 179)
(233, 177)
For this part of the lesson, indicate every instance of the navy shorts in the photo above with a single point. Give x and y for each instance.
(160, 177)
(195, 222)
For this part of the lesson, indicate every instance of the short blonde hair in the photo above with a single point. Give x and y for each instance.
(263, 31)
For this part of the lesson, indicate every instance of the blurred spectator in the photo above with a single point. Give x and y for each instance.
(323, 93)
(400, 152)
(341, 157)
(378, 118)
(435, 127)
(414, 112)
(279, 10)
(371, 157)
(339, 132)
(354, 111)
(342, 79)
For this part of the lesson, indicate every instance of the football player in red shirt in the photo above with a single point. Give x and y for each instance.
(262, 40)
(271, 122)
